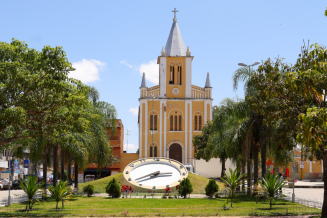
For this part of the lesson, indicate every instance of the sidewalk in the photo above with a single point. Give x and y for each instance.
(307, 184)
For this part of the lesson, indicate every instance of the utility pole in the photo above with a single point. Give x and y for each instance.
(127, 133)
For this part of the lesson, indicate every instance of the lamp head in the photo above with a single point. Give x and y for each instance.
(242, 64)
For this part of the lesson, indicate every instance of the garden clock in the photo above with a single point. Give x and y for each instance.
(155, 173)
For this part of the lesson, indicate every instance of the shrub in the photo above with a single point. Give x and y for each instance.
(211, 188)
(232, 181)
(271, 183)
(60, 192)
(89, 189)
(113, 189)
(30, 188)
(185, 187)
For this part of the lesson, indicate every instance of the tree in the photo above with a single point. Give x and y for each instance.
(89, 190)
(271, 184)
(34, 87)
(232, 181)
(299, 94)
(30, 188)
(211, 188)
(113, 189)
(185, 187)
(60, 192)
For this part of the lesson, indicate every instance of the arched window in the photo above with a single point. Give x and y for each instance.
(196, 123)
(155, 151)
(179, 75)
(155, 122)
(175, 122)
(200, 122)
(172, 75)
(180, 122)
(151, 122)
(171, 123)
(151, 151)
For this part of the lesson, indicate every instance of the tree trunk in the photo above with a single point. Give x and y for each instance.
(324, 206)
(45, 168)
(243, 178)
(76, 174)
(55, 165)
(223, 168)
(45, 165)
(249, 174)
(62, 166)
(244, 155)
(263, 154)
(238, 174)
(69, 168)
(256, 163)
(99, 172)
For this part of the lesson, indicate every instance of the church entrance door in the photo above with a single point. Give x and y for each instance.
(176, 153)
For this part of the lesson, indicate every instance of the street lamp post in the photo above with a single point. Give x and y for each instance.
(9, 167)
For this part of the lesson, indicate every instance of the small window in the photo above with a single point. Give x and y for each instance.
(155, 151)
(155, 122)
(151, 151)
(151, 122)
(171, 123)
(200, 122)
(180, 122)
(172, 75)
(179, 75)
(196, 123)
(175, 122)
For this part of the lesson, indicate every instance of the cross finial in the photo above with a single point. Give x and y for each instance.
(174, 12)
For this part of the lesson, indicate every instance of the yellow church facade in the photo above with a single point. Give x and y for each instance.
(171, 113)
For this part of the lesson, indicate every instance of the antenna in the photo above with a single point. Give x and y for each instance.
(127, 133)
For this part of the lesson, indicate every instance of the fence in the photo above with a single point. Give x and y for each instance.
(310, 202)
(210, 211)
(17, 199)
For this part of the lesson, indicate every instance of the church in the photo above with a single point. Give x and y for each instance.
(171, 113)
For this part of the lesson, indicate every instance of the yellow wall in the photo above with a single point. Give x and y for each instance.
(127, 158)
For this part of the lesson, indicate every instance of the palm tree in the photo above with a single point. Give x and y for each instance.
(271, 184)
(256, 132)
(60, 192)
(232, 181)
(30, 188)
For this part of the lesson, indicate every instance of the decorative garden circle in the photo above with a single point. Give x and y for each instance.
(155, 173)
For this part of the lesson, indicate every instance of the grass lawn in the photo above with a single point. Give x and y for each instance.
(199, 183)
(103, 206)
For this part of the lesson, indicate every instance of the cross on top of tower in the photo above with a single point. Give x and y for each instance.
(174, 12)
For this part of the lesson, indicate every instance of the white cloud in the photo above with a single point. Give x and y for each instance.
(134, 110)
(151, 70)
(125, 63)
(87, 70)
(131, 148)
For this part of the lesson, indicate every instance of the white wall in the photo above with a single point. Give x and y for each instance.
(212, 168)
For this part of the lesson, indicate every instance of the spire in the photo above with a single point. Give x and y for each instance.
(208, 83)
(143, 83)
(175, 44)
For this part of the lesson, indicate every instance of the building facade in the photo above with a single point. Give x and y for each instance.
(171, 113)
(117, 143)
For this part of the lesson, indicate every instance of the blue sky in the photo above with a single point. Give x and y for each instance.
(112, 42)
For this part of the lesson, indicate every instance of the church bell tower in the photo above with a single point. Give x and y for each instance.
(171, 113)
